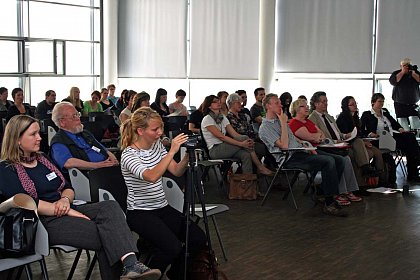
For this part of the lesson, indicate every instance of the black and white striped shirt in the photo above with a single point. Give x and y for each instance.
(143, 195)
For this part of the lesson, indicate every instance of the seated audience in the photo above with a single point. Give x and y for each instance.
(126, 113)
(286, 100)
(305, 129)
(74, 98)
(160, 102)
(242, 94)
(72, 146)
(44, 109)
(100, 227)
(106, 103)
(141, 99)
(215, 127)
(111, 94)
(4, 103)
(143, 163)
(257, 110)
(196, 117)
(346, 122)
(222, 95)
(379, 119)
(93, 105)
(18, 108)
(277, 135)
(325, 122)
(177, 108)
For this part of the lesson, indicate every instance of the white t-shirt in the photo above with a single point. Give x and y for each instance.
(211, 140)
(143, 195)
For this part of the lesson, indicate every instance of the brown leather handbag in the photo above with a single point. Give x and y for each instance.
(202, 268)
(243, 186)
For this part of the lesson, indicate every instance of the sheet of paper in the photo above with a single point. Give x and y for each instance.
(353, 134)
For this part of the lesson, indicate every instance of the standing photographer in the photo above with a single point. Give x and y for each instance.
(143, 163)
(406, 91)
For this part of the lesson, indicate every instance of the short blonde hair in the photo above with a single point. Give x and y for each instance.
(16, 126)
(295, 106)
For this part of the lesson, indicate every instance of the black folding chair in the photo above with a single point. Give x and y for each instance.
(285, 155)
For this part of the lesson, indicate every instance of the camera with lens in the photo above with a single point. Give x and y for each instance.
(194, 140)
(412, 67)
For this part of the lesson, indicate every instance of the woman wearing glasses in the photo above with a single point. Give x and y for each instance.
(346, 122)
(378, 119)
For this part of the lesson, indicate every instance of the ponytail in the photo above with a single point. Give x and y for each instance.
(127, 134)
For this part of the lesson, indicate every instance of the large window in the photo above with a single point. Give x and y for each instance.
(56, 42)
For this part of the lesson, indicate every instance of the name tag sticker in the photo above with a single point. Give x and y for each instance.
(51, 176)
(96, 149)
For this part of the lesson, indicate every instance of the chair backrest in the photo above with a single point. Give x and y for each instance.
(386, 141)
(51, 132)
(173, 193)
(108, 184)
(81, 186)
(414, 122)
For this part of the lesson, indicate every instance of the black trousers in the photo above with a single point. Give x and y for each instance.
(407, 143)
(165, 229)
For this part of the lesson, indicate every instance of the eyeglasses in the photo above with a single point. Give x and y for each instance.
(74, 117)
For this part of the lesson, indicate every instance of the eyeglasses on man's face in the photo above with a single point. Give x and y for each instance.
(74, 116)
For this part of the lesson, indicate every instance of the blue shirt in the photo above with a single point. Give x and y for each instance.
(60, 153)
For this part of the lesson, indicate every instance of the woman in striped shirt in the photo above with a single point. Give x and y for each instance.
(143, 162)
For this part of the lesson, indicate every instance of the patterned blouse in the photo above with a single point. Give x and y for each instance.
(242, 124)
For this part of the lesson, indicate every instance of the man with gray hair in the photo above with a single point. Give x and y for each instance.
(276, 134)
(73, 147)
(406, 91)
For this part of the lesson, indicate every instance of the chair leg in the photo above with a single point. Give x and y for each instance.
(44, 268)
(290, 184)
(28, 272)
(91, 267)
(270, 187)
(88, 255)
(213, 218)
(73, 267)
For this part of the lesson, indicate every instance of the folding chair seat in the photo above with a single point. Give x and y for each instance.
(175, 198)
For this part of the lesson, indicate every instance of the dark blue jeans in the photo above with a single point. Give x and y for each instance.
(325, 164)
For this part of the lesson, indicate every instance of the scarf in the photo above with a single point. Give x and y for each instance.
(217, 118)
(28, 185)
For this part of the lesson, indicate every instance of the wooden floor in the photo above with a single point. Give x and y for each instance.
(379, 240)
